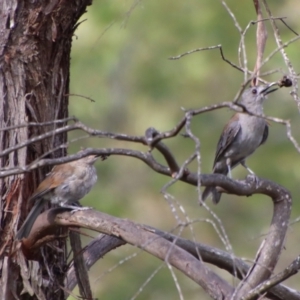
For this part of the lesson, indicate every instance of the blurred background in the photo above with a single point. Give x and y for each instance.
(120, 59)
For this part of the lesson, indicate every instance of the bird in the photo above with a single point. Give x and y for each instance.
(65, 185)
(241, 136)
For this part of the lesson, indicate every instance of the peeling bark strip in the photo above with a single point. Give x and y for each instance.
(35, 45)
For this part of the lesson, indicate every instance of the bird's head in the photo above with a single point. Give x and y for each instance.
(253, 97)
(90, 159)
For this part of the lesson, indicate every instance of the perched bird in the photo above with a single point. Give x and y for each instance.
(64, 185)
(241, 136)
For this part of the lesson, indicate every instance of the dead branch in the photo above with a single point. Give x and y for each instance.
(103, 244)
(133, 234)
(46, 224)
(291, 270)
(81, 270)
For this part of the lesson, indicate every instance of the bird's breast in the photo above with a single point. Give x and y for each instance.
(75, 187)
(249, 137)
(252, 129)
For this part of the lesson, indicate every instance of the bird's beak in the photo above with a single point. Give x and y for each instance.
(267, 90)
(102, 156)
(91, 158)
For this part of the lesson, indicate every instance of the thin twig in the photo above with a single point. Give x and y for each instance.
(291, 270)
(82, 96)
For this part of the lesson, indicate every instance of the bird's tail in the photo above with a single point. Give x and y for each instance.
(214, 194)
(27, 225)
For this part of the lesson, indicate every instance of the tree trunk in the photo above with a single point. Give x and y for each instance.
(35, 45)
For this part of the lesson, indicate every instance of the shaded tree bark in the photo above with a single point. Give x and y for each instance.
(35, 45)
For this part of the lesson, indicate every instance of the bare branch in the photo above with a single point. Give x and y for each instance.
(82, 96)
(281, 46)
(151, 139)
(35, 124)
(208, 48)
(103, 244)
(226, 261)
(291, 29)
(261, 39)
(81, 270)
(150, 134)
(95, 250)
(291, 270)
(135, 235)
(270, 248)
(130, 232)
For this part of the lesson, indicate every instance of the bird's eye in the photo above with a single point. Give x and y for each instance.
(254, 91)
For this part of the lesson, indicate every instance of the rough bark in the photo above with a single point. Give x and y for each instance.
(35, 45)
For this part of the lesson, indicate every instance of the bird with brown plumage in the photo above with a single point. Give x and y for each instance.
(65, 185)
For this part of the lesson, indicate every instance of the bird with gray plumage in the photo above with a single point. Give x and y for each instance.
(65, 185)
(242, 135)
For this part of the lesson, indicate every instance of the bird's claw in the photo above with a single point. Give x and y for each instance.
(253, 178)
(75, 209)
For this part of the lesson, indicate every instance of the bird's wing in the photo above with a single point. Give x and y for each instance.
(55, 178)
(265, 134)
(44, 187)
(227, 137)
